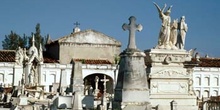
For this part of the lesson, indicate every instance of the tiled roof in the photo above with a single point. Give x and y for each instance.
(205, 62)
(209, 62)
(7, 56)
(93, 61)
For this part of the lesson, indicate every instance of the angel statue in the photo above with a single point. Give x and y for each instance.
(164, 35)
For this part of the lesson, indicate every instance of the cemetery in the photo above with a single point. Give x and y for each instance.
(87, 71)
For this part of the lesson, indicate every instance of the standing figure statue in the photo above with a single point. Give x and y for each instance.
(182, 33)
(174, 34)
(19, 56)
(164, 36)
(31, 78)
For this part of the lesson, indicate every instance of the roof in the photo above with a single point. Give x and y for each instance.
(209, 62)
(88, 37)
(93, 61)
(205, 62)
(7, 55)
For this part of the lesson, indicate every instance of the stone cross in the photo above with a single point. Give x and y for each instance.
(104, 100)
(132, 27)
(104, 83)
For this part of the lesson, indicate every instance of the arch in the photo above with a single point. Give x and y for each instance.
(215, 81)
(206, 93)
(10, 79)
(198, 81)
(52, 78)
(215, 93)
(90, 81)
(206, 81)
(198, 93)
(85, 75)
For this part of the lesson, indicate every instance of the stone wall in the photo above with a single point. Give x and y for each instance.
(87, 51)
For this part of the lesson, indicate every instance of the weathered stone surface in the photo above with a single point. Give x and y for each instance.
(91, 41)
(132, 86)
(169, 80)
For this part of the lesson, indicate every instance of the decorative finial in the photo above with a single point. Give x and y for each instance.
(33, 40)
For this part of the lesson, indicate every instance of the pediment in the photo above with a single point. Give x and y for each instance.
(89, 37)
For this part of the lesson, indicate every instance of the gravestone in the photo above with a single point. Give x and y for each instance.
(169, 80)
(63, 82)
(78, 87)
(104, 96)
(132, 92)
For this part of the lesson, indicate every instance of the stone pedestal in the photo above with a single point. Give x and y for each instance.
(169, 80)
(131, 90)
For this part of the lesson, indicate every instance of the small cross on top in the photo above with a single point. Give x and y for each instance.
(77, 24)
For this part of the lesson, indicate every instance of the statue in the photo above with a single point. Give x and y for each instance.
(164, 35)
(31, 78)
(19, 56)
(96, 86)
(26, 58)
(173, 34)
(182, 33)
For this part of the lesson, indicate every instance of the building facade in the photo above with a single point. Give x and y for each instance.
(96, 51)
(206, 77)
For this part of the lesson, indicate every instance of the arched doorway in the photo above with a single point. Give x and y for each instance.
(100, 80)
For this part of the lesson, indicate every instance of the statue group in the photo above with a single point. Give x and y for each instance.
(172, 35)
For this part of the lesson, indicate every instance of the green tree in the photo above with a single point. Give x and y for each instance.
(13, 41)
(38, 38)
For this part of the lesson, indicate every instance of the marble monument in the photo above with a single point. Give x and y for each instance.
(131, 91)
(169, 80)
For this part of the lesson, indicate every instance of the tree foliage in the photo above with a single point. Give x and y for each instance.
(39, 40)
(13, 41)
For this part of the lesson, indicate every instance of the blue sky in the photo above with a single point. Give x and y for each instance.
(57, 18)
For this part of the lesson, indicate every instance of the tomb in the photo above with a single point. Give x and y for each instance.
(168, 78)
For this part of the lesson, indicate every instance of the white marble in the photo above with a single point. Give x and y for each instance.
(169, 80)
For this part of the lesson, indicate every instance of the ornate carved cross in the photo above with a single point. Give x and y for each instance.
(132, 27)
